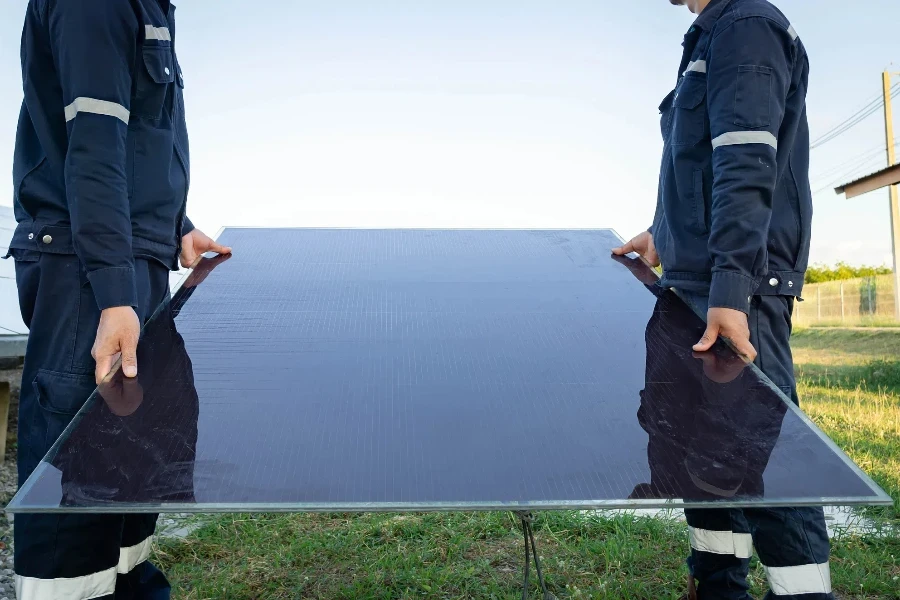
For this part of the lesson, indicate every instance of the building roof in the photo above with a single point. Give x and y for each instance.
(869, 183)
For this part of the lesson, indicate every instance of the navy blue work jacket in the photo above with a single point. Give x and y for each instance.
(101, 164)
(734, 207)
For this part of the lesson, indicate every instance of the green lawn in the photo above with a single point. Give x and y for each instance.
(849, 384)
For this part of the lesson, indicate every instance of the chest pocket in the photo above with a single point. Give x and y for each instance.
(155, 76)
(689, 121)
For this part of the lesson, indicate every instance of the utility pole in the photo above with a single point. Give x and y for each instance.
(892, 190)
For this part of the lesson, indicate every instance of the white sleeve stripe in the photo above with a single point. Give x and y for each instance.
(697, 66)
(792, 32)
(97, 107)
(795, 581)
(737, 138)
(157, 33)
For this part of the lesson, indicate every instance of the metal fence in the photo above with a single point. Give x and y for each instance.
(864, 301)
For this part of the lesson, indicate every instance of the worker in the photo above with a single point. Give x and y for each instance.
(732, 232)
(101, 174)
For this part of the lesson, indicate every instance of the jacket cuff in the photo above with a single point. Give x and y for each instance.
(731, 290)
(113, 286)
(187, 226)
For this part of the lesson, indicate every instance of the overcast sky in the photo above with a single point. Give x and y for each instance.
(476, 113)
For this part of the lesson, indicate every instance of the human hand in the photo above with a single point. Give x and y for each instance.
(117, 336)
(638, 268)
(643, 245)
(196, 243)
(731, 324)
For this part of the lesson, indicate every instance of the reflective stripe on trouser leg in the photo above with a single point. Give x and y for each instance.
(793, 548)
(739, 545)
(55, 577)
(720, 553)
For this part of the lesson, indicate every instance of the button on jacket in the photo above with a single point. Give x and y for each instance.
(102, 166)
(734, 208)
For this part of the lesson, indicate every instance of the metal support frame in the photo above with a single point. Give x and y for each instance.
(892, 190)
(531, 549)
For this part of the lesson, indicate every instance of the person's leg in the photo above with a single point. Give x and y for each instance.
(721, 548)
(71, 556)
(792, 543)
(138, 579)
(721, 545)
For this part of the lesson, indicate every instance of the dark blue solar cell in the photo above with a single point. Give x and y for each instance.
(434, 370)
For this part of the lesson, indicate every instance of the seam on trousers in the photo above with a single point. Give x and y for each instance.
(77, 321)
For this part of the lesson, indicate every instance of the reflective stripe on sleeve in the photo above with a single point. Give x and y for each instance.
(94, 585)
(739, 545)
(804, 579)
(738, 138)
(697, 66)
(792, 32)
(97, 107)
(157, 33)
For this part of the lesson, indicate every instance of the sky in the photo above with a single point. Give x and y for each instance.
(464, 113)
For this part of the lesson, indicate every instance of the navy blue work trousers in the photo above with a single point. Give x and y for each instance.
(73, 556)
(792, 543)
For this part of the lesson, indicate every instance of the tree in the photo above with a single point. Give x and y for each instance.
(820, 273)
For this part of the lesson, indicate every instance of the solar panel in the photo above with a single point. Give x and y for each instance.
(412, 370)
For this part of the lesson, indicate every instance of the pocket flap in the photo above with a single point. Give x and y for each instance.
(159, 63)
(666, 104)
(691, 92)
(63, 393)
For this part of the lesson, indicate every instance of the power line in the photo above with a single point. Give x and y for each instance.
(858, 117)
(874, 103)
(862, 157)
(851, 165)
(871, 105)
(858, 169)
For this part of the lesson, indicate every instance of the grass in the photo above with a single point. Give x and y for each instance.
(849, 382)
(864, 322)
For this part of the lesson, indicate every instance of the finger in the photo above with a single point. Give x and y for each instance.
(745, 349)
(188, 256)
(709, 338)
(626, 249)
(219, 248)
(103, 367)
(129, 357)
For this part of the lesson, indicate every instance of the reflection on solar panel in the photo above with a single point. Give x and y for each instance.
(434, 370)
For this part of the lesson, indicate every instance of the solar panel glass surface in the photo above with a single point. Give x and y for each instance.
(344, 370)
